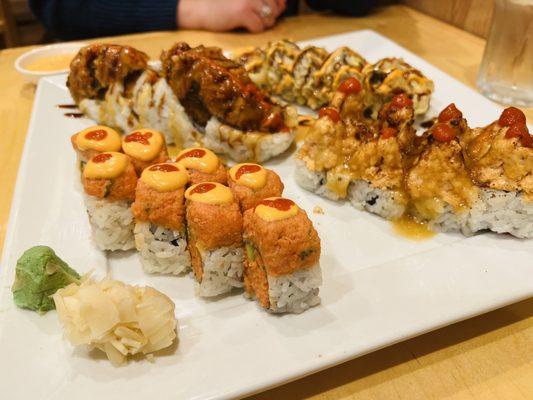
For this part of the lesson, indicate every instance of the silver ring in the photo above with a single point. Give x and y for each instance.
(266, 11)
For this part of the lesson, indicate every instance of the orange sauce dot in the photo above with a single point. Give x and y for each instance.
(194, 153)
(279, 204)
(98, 134)
(247, 169)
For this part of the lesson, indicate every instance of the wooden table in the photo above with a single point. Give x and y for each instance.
(487, 357)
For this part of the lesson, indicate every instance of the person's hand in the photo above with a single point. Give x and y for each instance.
(219, 15)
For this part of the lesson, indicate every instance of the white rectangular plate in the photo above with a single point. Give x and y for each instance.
(378, 288)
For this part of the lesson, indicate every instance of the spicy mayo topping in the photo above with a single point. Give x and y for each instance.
(275, 209)
(143, 144)
(209, 193)
(165, 177)
(198, 158)
(253, 176)
(99, 138)
(106, 165)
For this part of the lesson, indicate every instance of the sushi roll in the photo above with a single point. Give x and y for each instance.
(95, 140)
(252, 183)
(114, 85)
(391, 76)
(203, 165)
(109, 182)
(279, 57)
(499, 158)
(159, 211)
(214, 237)
(145, 147)
(282, 257)
(439, 186)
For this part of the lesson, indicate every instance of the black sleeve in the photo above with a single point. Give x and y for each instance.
(77, 19)
(346, 7)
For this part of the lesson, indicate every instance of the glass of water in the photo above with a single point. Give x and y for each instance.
(506, 72)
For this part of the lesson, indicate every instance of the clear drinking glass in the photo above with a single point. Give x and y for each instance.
(506, 72)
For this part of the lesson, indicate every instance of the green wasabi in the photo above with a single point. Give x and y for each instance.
(39, 274)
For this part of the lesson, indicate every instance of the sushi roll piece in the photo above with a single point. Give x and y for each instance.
(202, 165)
(236, 118)
(95, 140)
(279, 57)
(338, 66)
(499, 158)
(109, 182)
(254, 61)
(306, 64)
(439, 186)
(159, 211)
(252, 183)
(282, 257)
(378, 161)
(391, 76)
(348, 156)
(145, 147)
(214, 237)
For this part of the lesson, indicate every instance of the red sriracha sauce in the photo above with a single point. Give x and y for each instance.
(247, 169)
(139, 137)
(279, 204)
(203, 188)
(401, 100)
(194, 153)
(388, 132)
(519, 130)
(511, 116)
(98, 134)
(449, 113)
(329, 112)
(350, 86)
(101, 158)
(164, 168)
(443, 133)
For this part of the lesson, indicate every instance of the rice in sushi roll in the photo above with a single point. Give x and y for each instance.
(214, 235)
(252, 183)
(95, 140)
(145, 147)
(203, 165)
(159, 211)
(109, 182)
(499, 158)
(282, 257)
